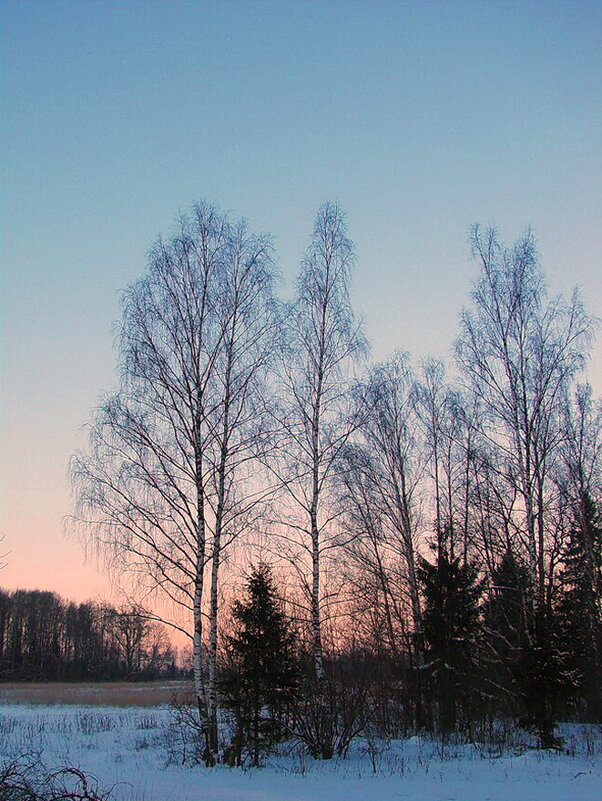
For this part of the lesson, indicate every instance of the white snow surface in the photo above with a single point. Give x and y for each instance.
(133, 751)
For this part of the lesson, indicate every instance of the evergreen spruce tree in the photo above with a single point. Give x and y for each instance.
(507, 621)
(543, 679)
(528, 651)
(562, 660)
(580, 607)
(450, 625)
(261, 680)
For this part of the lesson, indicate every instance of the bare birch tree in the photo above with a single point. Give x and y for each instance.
(382, 480)
(321, 341)
(451, 425)
(375, 582)
(582, 446)
(432, 400)
(395, 465)
(518, 353)
(163, 487)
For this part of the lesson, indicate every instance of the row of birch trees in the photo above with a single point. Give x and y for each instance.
(240, 421)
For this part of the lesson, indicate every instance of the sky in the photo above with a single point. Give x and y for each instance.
(419, 118)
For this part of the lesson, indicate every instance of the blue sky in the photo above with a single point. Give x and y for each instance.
(419, 118)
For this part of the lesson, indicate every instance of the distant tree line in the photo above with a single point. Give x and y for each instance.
(438, 541)
(44, 638)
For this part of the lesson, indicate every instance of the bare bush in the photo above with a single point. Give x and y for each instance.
(24, 778)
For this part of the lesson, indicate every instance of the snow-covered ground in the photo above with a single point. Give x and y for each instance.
(134, 750)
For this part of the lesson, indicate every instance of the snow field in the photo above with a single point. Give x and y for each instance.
(136, 752)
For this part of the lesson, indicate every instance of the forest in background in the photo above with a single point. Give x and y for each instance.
(434, 538)
(44, 638)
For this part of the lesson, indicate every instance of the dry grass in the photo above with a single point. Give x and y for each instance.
(92, 694)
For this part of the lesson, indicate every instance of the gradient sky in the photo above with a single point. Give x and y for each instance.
(419, 118)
